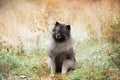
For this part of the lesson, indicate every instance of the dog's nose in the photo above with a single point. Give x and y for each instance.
(58, 36)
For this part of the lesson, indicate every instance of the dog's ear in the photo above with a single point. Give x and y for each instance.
(68, 27)
(57, 23)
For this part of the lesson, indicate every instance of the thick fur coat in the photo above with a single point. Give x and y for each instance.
(61, 56)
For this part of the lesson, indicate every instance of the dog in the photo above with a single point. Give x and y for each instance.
(61, 55)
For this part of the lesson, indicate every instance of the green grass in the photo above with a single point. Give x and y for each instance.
(21, 65)
(97, 60)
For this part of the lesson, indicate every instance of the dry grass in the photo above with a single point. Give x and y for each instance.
(26, 22)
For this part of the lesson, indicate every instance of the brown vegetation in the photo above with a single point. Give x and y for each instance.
(28, 19)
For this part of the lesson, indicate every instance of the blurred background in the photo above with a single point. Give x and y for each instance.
(25, 26)
(28, 23)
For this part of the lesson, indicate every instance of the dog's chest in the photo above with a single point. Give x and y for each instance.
(61, 48)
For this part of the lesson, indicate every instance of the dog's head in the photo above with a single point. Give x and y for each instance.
(61, 32)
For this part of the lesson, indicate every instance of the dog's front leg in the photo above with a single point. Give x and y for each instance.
(65, 66)
(53, 67)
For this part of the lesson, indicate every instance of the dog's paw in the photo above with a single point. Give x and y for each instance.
(63, 73)
(52, 75)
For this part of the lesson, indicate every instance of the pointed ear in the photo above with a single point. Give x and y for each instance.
(57, 23)
(68, 27)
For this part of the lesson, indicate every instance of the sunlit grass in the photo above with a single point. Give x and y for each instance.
(95, 61)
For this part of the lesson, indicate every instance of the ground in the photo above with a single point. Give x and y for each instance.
(97, 60)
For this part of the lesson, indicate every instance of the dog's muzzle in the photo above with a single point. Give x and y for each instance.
(58, 36)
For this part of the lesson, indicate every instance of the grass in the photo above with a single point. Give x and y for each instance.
(20, 65)
(97, 60)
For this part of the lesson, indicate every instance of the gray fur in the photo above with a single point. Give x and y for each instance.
(61, 56)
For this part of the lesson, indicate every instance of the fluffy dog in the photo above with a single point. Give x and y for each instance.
(61, 56)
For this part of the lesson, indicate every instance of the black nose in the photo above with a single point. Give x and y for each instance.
(58, 36)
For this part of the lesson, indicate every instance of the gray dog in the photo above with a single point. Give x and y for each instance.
(61, 56)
